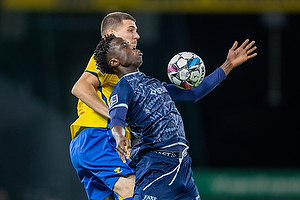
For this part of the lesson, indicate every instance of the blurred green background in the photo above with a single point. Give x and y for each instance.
(244, 135)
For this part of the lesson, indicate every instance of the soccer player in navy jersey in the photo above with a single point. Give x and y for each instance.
(161, 160)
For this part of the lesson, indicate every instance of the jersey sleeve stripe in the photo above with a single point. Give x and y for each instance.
(119, 105)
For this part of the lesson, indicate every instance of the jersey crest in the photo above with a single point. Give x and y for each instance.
(113, 100)
(118, 170)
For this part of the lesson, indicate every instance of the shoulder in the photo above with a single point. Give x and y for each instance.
(110, 79)
(92, 66)
(122, 93)
(123, 83)
(124, 87)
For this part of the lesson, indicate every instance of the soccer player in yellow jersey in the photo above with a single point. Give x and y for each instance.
(92, 148)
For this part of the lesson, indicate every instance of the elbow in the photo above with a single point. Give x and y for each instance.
(74, 90)
(195, 98)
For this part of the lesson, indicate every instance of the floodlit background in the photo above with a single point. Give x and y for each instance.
(244, 135)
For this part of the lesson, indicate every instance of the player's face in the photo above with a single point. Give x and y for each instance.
(126, 53)
(128, 31)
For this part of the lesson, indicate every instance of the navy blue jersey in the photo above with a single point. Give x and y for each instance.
(151, 113)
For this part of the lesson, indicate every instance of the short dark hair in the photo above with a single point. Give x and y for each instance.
(100, 54)
(113, 21)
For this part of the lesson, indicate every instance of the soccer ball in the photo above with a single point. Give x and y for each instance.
(186, 70)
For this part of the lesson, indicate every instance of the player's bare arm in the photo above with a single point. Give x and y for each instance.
(238, 55)
(85, 89)
(123, 143)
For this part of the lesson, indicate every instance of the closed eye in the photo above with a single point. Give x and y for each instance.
(132, 29)
(124, 45)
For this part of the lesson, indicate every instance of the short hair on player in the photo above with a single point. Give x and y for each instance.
(100, 54)
(113, 21)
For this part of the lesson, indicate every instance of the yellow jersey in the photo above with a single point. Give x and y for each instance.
(87, 117)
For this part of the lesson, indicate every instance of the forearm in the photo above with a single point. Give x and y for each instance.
(195, 94)
(87, 94)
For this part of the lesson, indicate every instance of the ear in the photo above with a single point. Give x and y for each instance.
(110, 31)
(114, 62)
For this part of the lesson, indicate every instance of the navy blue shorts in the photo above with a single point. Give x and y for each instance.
(96, 161)
(160, 177)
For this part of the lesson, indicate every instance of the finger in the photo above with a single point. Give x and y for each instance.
(235, 44)
(251, 50)
(128, 143)
(122, 150)
(244, 43)
(252, 55)
(121, 155)
(127, 152)
(122, 158)
(128, 148)
(249, 45)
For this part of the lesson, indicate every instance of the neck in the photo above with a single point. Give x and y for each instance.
(125, 70)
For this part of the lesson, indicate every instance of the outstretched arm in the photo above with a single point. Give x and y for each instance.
(236, 56)
(208, 84)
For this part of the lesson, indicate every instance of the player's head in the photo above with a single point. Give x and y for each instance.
(115, 55)
(121, 25)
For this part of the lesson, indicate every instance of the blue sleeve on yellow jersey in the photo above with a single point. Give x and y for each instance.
(195, 94)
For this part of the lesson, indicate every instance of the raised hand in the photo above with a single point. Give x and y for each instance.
(239, 55)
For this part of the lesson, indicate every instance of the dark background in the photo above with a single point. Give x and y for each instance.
(238, 125)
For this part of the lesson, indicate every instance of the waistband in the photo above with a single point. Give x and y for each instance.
(172, 154)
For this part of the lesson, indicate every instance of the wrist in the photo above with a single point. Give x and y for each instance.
(118, 131)
(227, 66)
